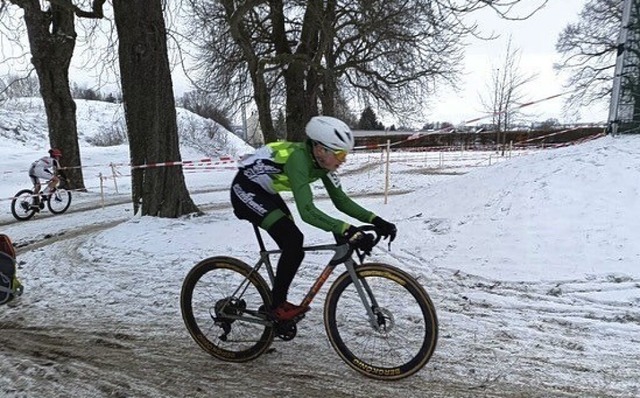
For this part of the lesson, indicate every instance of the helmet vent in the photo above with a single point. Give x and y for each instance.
(337, 133)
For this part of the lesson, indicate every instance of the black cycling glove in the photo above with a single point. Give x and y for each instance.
(358, 239)
(385, 228)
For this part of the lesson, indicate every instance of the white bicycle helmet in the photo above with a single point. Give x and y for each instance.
(330, 132)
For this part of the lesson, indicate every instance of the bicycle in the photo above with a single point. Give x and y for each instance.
(23, 205)
(378, 318)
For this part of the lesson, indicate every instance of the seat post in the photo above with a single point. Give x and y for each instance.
(259, 237)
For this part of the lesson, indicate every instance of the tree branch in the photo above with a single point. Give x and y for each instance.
(95, 13)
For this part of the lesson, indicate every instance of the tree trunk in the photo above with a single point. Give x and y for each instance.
(329, 91)
(51, 50)
(296, 109)
(262, 97)
(150, 111)
(261, 93)
(300, 76)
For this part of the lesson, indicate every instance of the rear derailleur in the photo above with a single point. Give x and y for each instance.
(223, 309)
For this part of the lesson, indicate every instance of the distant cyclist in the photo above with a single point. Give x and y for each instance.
(293, 166)
(45, 168)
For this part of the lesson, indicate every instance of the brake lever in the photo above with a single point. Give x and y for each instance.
(361, 255)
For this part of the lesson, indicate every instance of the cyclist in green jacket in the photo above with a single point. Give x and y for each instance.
(290, 166)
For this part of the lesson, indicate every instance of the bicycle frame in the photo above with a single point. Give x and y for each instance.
(342, 255)
(45, 192)
(46, 196)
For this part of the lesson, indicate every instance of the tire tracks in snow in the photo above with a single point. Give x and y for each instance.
(498, 339)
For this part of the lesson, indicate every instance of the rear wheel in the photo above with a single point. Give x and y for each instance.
(403, 335)
(224, 310)
(59, 201)
(21, 205)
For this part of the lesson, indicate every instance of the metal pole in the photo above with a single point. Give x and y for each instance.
(386, 179)
(617, 75)
(101, 190)
(114, 175)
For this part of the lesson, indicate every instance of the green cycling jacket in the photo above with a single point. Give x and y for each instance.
(290, 166)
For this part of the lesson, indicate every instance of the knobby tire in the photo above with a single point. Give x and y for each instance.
(405, 309)
(59, 207)
(21, 213)
(207, 287)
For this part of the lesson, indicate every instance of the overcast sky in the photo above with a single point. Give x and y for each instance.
(535, 38)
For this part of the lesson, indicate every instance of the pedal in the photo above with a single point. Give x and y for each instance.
(286, 330)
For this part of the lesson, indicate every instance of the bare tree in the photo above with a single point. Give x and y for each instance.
(150, 109)
(207, 106)
(505, 94)
(390, 52)
(17, 87)
(145, 72)
(589, 48)
(52, 39)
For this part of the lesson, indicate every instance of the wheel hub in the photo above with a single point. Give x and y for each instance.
(385, 320)
(229, 306)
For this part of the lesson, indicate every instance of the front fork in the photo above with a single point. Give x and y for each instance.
(376, 320)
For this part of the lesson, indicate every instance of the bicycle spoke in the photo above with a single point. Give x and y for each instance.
(402, 335)
(21, 205)
(220, 307)
(59, 201)
(374, 346)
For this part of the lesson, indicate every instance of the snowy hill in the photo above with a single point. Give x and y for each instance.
(23, 121)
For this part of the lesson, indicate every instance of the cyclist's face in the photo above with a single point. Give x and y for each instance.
(329, 159)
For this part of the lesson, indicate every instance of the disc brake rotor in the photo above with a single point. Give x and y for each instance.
(385, 320)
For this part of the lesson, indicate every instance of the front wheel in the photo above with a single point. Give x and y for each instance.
(21, 205)
(223, 306)
(59, 201)
(400, 339)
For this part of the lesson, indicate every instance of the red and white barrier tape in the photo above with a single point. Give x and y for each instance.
(206, 162)
(187, 163)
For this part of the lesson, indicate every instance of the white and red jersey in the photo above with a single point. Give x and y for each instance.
(45, 167)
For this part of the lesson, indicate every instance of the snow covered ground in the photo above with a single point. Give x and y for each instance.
(532, 264)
